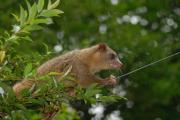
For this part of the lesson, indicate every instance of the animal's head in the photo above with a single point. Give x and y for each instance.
(104, 58)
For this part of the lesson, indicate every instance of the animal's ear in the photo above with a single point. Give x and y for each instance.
(102, 47)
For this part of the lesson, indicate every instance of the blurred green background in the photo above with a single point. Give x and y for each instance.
(141, 31)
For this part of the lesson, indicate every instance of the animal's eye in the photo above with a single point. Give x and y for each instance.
(112, 56)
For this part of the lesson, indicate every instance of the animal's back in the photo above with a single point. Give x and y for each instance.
(56, 64)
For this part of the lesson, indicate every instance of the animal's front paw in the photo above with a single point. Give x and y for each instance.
(111, 80)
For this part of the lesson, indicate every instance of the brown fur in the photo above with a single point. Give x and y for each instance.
(85, 63)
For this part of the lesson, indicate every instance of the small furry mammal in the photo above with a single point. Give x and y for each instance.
(85, 63)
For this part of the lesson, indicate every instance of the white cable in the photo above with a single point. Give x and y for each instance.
(145, 66)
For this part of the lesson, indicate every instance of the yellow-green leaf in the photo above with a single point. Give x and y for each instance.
(2, 56)
(51, 13)
(41, 21)
(49, 4)
(32, 12)
(23, 15)
(28, 4)
(16, 17)
(40, 5)
(27, 70)
(54, 5)
(32, 27)
(55, 74)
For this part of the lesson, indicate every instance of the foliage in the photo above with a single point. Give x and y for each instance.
(141, 31)
(50, 96)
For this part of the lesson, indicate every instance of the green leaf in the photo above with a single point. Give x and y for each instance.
(109, 98)
(41, 21)
(47, 52)
(2, 56)
(49, 4)
(51, 13)
(54, 5)
(40, 5)
(92, 90)
(27, 70)
(6, 34)
(32, 27)
(20, 106)
(28, 4)
(15, 16)
(38, 101)
(27, 38)
(23, 15)
(32, 12)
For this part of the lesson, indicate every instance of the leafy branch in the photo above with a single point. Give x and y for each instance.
(29, 20)
(50, 96)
